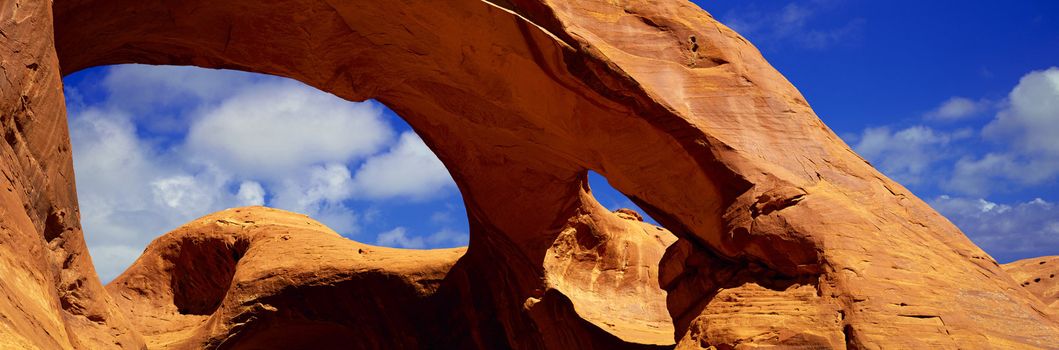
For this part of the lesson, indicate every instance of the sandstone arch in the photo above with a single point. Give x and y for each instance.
(786, 236)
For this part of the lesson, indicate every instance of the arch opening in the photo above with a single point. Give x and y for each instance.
(155, 147)
(615, 201)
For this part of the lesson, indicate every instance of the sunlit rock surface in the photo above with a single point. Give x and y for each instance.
(1041, 277)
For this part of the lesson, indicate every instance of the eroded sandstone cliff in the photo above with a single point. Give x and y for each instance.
(784, 235)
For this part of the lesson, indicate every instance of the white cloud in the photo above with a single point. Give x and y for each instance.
(319, 192)
(271, 129)
(959, 206)
(336, 216)
(111, 260)
(447, 238)
(906, 155)
(371, 214)
(1000, 171)
(441, 217)
(183, 193)
(1031, 120)
(1005, 231)
(957, 108)
(324, 183)
(145, 88)
(106, 142)
(163, 99)
(1028, 126)
(408, 170)
(251, 193)
(399, 237)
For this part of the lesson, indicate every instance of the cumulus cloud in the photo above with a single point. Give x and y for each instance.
(183, 193)
(906, 155)
(111, 259)
(408, 170)
(320, 191)
(1030, 121)
(271, 129)
(995, 172)
(442, 217)
(338, 216)
(1027, 128)
(447, 237)
(104, 142)
(146, 88)
(957, 108)
(399, 237)
(163, 99)
(1008, 232)
(251, 193)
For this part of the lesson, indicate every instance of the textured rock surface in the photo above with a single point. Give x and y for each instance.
(265, 278)
(607, 265)
(1041, 277)
(50, 297)
(785, 236)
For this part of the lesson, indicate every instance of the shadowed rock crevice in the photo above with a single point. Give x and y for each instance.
(203, 272)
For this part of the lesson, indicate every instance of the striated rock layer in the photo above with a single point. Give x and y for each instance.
(784, 236)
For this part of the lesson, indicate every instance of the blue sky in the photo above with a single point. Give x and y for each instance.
(958, 101)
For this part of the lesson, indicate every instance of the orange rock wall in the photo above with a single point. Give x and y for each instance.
(52, 298)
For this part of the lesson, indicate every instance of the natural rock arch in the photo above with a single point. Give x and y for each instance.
(786, 236)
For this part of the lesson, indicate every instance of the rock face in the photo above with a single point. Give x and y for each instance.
(265, 278)
(784, 236)
(257, 277)
(607, 265)
(1039, 276)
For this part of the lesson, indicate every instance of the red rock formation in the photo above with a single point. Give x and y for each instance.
(50, 297)
(265, 278)
(786, 237)
(607, 265)
(1041, 277)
